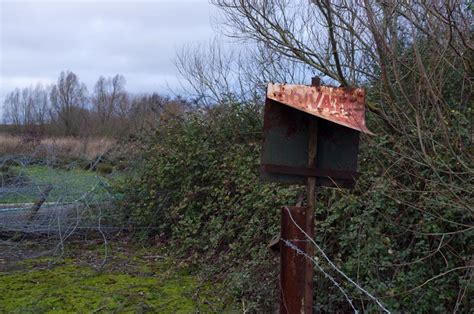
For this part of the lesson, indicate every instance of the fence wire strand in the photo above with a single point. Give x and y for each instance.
(335, 268)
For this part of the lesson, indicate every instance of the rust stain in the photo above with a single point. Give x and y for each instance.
(344, 106)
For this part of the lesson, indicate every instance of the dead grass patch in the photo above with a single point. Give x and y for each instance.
(69, 147)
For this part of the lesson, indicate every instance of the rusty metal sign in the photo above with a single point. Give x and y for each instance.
(344, 106)
(340, 118)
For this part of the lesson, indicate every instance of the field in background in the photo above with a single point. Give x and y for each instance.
(67, 185)
(64, 147)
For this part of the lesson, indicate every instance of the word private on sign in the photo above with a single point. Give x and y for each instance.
(341, 105)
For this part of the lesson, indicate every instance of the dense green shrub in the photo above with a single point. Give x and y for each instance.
(10, 175)
(104, 168)
(197, 185)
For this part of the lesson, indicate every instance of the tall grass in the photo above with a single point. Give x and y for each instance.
(69, 147)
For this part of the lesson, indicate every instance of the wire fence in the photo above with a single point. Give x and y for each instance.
(45, 202)
(317, 264)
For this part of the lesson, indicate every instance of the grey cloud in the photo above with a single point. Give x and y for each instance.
(138, 40)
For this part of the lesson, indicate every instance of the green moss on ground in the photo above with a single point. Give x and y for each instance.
(128, 284)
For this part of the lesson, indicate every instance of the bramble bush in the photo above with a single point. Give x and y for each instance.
(197, 186)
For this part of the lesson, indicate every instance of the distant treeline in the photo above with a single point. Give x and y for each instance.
(67, 108)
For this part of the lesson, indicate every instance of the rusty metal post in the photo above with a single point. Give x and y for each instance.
(292, 272)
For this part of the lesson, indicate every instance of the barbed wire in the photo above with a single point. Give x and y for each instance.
(42, 206)
(331, 278)
(334, 267)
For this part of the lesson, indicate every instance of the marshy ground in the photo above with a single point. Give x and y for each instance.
(85, 278)
(70, 257)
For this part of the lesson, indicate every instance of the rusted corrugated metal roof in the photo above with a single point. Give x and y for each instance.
(344, 106)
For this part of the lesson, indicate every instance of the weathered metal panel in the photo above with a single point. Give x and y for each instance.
(285, 141)
(343, 106)
(337, 151)
(286, 145)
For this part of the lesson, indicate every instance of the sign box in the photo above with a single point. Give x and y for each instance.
(339, 114)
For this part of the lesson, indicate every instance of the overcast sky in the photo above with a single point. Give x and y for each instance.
(39, 39)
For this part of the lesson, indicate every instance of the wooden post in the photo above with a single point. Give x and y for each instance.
(311, 199)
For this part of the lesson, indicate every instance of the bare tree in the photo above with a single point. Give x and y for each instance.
(41, 104)
(63, 108)
(109, 98)
(123, 107)
(145, 110)
(311, 33)
(27, 107)
(12, 111)
(215, 72)
(68, 99)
